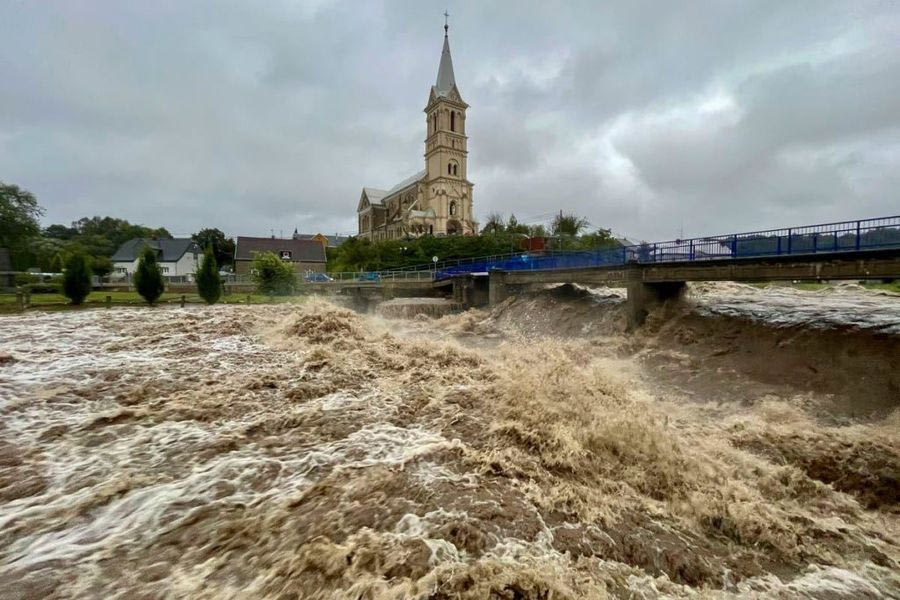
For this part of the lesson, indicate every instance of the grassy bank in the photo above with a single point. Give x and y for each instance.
(98, 299)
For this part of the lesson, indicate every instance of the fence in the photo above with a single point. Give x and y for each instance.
(847, 236)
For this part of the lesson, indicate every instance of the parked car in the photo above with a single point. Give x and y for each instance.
(369, 276)
(317, 278)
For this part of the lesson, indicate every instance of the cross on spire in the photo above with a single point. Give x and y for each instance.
(446, 16)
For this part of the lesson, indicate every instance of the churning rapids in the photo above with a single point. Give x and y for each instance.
(746, 444)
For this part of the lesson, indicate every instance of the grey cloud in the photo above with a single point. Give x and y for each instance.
(260, 116)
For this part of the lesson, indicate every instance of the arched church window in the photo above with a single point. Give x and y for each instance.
(452, 121)
(455, 169)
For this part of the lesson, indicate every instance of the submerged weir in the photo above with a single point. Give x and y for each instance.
(744, 445)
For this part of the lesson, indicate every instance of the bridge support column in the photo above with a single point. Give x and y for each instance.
(497, 288)
(644, 297)
(471, 291)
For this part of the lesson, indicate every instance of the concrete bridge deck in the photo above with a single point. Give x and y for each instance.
(652, 283)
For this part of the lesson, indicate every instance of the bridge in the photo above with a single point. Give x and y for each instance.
(655, 272)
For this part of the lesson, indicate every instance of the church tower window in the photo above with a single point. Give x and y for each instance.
(452, 121)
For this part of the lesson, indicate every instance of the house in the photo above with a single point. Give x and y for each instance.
(306, 255)
(330, 241)
(179, 257)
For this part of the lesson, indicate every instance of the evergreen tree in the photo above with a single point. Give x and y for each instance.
(77, 278)
(209, 284)
(148, 278)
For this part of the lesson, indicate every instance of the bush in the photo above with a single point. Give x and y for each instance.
(25, 279)
(272, 275)
(43, 288)
(209, 284)
(148, 278)
(77, 278)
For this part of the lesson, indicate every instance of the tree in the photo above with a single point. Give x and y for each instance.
(102, 266)
(273, 276)
(494, 223)
(147, 277)
(19, 212)
(60, 232)
(222, 247)
(602, 238)
(77, 278)
(537, 230)
(209, 284)
(513, 226)
(568, 224)
(115, 231)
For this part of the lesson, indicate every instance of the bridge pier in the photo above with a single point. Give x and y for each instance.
(498, 291)
(471, 290)
(643, 297)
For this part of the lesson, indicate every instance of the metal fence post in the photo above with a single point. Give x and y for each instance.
(790, 234)
(857, 236)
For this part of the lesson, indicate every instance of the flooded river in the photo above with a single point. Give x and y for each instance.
(746, 444)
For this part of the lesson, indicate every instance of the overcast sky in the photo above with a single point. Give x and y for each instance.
(643, 116)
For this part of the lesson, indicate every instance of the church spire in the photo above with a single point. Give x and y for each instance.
(445, 78)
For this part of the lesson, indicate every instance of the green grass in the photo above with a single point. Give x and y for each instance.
(98, 299)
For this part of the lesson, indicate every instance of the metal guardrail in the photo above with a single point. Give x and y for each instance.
(847, 236)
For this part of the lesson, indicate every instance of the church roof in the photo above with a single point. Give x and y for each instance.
(445, 78)
(374, 195)
(405, 183)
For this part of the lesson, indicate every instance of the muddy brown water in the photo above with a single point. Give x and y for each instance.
(730, 449)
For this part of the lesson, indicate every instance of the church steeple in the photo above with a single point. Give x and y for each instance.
(448, 191)
(445, 78)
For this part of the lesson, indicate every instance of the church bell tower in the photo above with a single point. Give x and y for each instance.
(448, 190)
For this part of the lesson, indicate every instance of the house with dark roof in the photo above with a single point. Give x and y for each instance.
(179, 257)
(305, 255)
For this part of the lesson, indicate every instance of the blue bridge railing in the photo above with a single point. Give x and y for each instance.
(847, 236)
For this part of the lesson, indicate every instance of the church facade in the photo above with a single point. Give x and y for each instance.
(438, 199)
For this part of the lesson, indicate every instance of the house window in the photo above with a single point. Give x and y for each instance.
(285, 255)
(164, 269)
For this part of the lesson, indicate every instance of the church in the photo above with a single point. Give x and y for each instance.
(438, 199)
